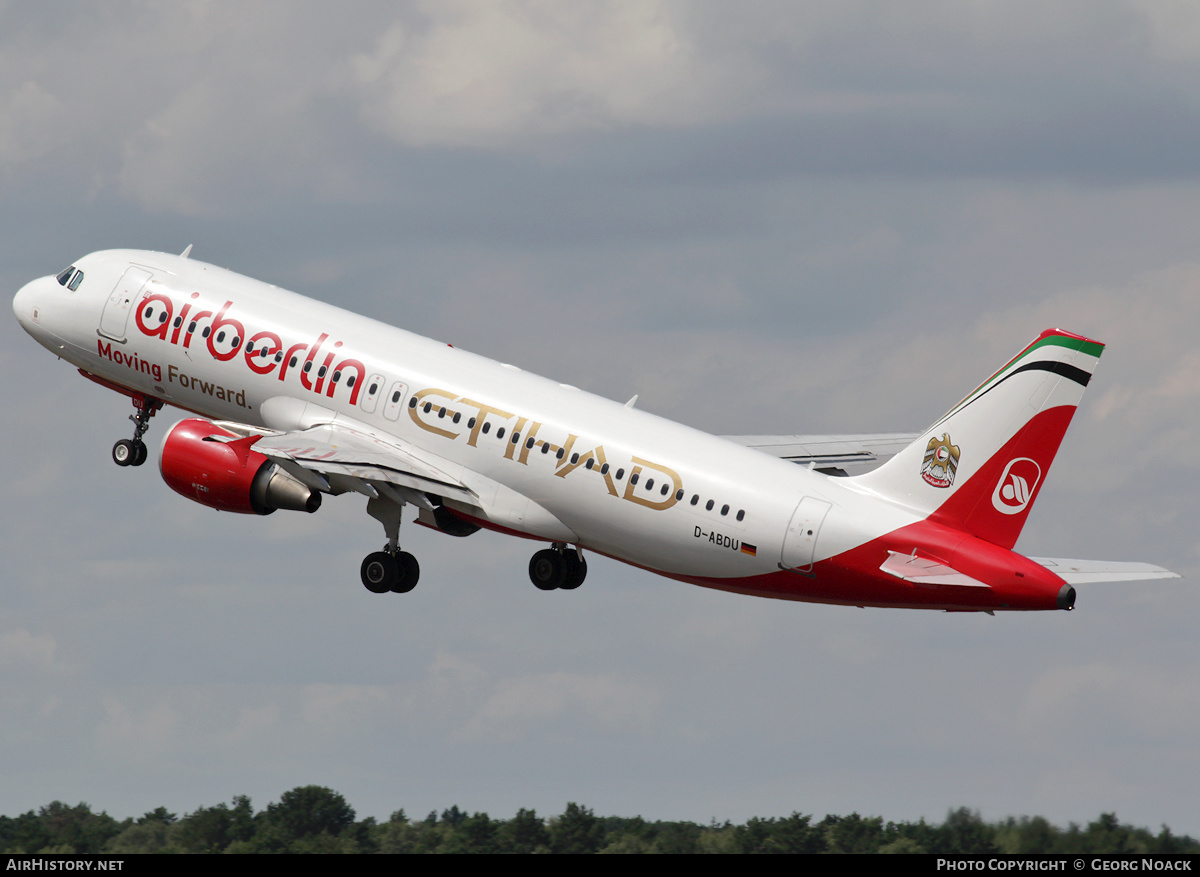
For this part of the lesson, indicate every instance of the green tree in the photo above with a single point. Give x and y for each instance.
(395, 835)
(791, 835)
(306, 819)
(311, 810)
(576, 831)
(964, 831)
(524, 833)
(472, 834)
(1108, 835)
(213, 829)
(60, 828)
(1027, 836)
(677, 837)
(853, 834)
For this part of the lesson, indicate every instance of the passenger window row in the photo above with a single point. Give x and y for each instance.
(664, 487)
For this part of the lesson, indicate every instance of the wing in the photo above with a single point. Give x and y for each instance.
(832, 454)
(338, 457)
(1086, 572)
(335, 458)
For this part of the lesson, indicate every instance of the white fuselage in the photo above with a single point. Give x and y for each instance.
(194, 336)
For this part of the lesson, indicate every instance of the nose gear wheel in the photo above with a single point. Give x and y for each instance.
(132, 452)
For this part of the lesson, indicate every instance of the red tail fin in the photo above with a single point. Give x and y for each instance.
(979, 468)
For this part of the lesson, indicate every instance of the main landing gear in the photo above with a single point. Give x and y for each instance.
(394, 571)
(557, 567)
(132, 452)
(386, 571)
(390, 570)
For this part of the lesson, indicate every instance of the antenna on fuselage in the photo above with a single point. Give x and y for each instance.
(187, 252)
(632, 401)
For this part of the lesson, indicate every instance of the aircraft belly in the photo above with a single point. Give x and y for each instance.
(513, 511)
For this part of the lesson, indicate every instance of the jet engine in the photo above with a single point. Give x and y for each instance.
(216, 468)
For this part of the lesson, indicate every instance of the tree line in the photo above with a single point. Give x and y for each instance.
(315, 819)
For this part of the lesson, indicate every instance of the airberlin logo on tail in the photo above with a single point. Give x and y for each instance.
(1015, 488)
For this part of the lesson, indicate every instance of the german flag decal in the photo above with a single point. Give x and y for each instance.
(747, 548)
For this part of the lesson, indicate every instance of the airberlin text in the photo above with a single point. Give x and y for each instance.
(718, 539)
(225, 337)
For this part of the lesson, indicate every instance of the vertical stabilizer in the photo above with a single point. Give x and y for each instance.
(979, 468)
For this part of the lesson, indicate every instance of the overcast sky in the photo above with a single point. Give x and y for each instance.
(760, 217)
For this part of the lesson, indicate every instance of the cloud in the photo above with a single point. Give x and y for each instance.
(31, 122)
(531, 703)
(1155, 707)
(21, 648)
(487, 74)
(339, 707)
(132, 733)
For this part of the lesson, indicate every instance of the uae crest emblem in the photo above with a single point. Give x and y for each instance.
(941, 461)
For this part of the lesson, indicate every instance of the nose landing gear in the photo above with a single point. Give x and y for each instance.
(132, 452)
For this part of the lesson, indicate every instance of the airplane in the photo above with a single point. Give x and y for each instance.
(295, 399)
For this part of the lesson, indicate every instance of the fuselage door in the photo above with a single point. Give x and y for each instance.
(800, 540)
(395, 401)
(371, 398)
(115, 317)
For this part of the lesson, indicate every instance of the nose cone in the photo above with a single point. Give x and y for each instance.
(25, 306)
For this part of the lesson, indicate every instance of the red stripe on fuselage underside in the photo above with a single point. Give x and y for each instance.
(497, 528)
(854, 578)
(966, 532)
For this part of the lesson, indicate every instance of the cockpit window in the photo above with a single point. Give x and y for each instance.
(71, 278)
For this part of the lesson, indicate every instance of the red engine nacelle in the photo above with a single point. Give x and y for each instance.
(228, 476)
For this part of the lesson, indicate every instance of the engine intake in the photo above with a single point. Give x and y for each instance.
(228, 476)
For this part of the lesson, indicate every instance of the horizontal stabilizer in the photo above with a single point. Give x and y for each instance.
(854, 452)
(1086, 572)
(926, 571)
